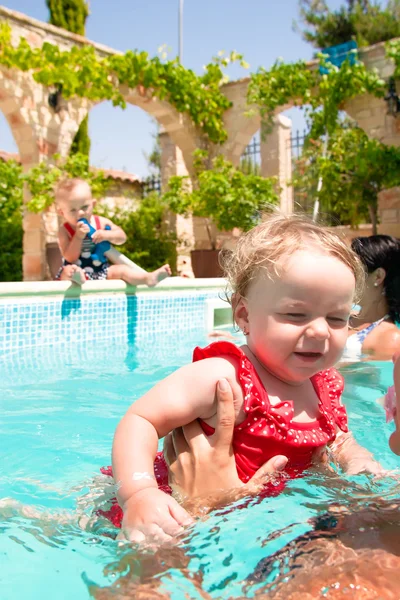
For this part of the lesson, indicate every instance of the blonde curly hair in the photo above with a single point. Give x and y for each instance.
(278, 236)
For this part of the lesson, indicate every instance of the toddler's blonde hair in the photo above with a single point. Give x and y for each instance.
(278, 236)
(66, 186)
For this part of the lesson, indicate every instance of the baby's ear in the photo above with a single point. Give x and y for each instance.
(240, 311)
(59, 211)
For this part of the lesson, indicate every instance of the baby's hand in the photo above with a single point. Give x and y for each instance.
(81, 230)
(101, 235)
(356, 466)
(150, 513)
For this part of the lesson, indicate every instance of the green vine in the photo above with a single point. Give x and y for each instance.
(393, 52)
(81, 72)
(324, 90)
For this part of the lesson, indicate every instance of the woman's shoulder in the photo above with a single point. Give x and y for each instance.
(383, 341)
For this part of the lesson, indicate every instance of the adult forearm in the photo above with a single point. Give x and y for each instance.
(134, 450)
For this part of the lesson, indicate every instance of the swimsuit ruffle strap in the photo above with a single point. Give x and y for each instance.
(334, 383)
(256, 402)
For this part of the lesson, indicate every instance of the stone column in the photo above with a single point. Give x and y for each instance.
(43, 134)
(276, 159)
(172, 163)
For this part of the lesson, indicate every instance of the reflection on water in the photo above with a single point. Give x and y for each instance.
(325, 535)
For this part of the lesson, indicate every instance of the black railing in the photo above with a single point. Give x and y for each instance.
(250, 160)
(151, 184)
(296, 143)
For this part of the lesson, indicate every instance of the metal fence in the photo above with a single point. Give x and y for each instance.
(296, 143)
(151, 184)
(250, 160)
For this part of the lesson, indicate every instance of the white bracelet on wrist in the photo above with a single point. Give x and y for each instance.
(137, 476)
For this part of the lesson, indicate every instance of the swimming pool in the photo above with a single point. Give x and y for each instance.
(60, 402)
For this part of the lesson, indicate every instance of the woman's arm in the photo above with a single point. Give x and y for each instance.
(203, 468)
(394, 440)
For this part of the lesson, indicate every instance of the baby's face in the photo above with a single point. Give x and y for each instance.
(298, 323)
(77, 204)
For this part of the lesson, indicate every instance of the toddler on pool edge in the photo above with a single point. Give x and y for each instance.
(74, 201)
(294, 284)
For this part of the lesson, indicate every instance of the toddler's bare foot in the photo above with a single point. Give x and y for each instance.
(73, 273)
(78, 276)
(158, 275)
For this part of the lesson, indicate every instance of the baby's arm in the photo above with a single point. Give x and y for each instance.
(71, 248)
(184, 396)
(115, 235)
(394, 441)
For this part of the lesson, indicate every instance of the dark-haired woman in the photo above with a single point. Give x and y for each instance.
(373, 330)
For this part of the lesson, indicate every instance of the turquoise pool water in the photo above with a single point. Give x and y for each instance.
(57, 426)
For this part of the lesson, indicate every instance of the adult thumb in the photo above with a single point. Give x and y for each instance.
(273, 465)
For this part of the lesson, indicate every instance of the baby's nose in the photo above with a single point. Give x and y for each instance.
(318, 329)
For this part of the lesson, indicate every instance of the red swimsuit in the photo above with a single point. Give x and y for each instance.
(267, 430)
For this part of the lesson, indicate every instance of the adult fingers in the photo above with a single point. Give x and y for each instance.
(225, 415)
(194, 436)
(273, 465)
(169, 450)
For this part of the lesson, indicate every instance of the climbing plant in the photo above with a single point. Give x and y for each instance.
(81, 72)
(221, 193)
(323, 89)
(71, 15)
(354, 169)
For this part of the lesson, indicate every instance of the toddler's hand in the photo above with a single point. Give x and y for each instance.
(150, 513)
(81, 230)
(101, 235)
(360, 465)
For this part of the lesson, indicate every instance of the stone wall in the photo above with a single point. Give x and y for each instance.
(389, 212)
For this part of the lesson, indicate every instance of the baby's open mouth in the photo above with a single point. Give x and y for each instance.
(309, 355)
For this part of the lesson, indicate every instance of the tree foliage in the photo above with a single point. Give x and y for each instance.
(71, 15)
(364, 21)
(323, 91)
(148, 244)
(354, 169)
(222, 193)
(10, 221)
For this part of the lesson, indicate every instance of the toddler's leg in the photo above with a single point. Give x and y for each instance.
(73, 273)
(136, 277)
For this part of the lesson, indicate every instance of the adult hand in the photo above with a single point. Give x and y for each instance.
(200, 465)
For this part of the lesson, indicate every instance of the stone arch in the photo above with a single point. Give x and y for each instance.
(179, 127)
